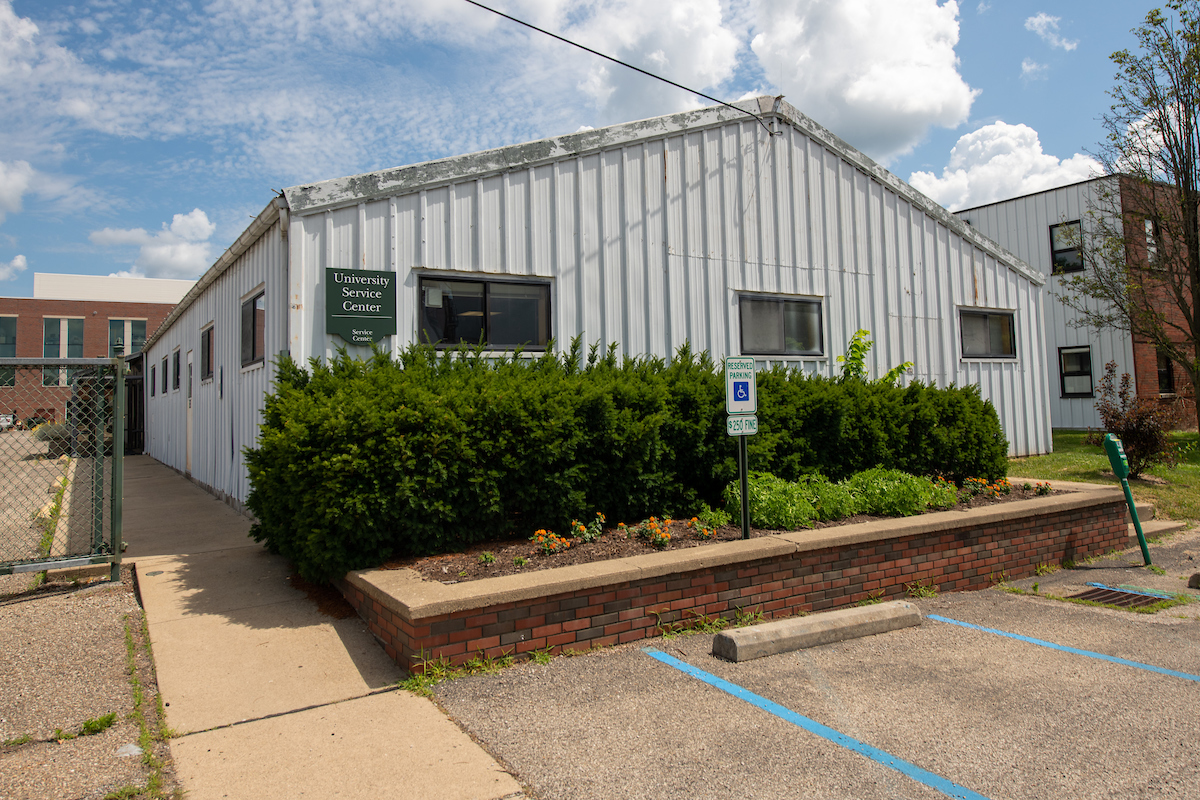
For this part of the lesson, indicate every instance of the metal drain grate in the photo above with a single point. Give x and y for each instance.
(1099, 593)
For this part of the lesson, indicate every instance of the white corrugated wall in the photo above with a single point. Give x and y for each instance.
(648, 244)
(226, 409)
(1022, 226)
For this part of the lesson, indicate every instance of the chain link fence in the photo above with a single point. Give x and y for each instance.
(60, 473)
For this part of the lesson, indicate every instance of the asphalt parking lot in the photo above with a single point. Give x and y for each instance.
(932, 711)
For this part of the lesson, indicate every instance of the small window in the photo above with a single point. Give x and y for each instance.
(153, 379)
(254, 330)
(1075, 371)
(175, 371)
(206, 343)
(1152, 236)
(780, 326)
(8, 349)
(492, 313)
(164, 375)
(1065, 241)
(1166, 374)
(987, 334)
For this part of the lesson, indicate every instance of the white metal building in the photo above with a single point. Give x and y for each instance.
(703, 226)
(1038, 228)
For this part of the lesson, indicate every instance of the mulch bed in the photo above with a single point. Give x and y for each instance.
(452, 568)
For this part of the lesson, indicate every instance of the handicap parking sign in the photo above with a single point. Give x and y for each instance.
(740, 396)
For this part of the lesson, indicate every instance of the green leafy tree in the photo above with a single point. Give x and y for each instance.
(1142, 247)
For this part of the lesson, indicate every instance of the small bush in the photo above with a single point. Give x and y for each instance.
(774, 503)
(1140, 423)
(891, 493)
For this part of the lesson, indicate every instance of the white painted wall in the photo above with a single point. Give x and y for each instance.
(226, 409)
(1022, 226)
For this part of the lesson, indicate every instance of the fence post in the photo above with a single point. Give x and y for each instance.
(98, 426)
(118, 468)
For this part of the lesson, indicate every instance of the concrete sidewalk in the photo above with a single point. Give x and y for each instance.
(269, 696)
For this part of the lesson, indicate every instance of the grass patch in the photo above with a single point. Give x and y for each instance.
(148, 734)
(18, 740)
(98, 725)
(435, 671)
(1073, 460)
(918, 589)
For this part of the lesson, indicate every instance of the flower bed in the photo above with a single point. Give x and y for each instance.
(626, 599)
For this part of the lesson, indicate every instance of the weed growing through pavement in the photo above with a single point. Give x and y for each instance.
(542, 656)
(429, 672)
(16, 740)
(920, 588)
(1156, 570)
(1153, 608)
(1046, 569)
(98, 725)
(872, 598)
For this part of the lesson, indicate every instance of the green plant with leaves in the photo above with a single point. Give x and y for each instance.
(921, 588)
(713, 517)
(98, 725)
(854, 362)
(872, 598)
(520, 561)
(891, 493)
(590, 532)
(487, 557)
(1140, 423)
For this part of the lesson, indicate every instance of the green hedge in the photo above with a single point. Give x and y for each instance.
(361, 461)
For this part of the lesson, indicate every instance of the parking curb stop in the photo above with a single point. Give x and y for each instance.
(798, 633)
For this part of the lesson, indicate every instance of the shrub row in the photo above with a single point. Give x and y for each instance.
(362, 461)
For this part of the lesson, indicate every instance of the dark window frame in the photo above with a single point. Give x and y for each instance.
(819, 303)
(206, 353)
(1063, 374)
(153, 379)
(166, 372)
(1166, 374)
(253, 334)
(988, 314)
(8, 375)
(487, 283)
(1062, 268)
(175, 369)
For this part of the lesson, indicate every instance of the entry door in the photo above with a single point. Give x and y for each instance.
(189, 412)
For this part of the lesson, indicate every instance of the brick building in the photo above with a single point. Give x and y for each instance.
(74, 316)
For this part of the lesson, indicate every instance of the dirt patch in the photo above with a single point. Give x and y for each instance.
(514, 556)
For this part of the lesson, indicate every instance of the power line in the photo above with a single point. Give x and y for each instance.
(761, 121)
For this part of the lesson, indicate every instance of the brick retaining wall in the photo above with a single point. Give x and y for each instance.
(619, 601)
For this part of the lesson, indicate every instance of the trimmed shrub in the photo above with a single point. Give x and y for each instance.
(362, 461)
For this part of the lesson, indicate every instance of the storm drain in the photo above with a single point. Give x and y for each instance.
(1099, 593)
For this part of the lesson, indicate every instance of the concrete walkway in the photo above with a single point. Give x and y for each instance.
(268, 696)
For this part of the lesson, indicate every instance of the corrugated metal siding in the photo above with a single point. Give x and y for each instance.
(226, 409)
(647, 244)
(1022, 226)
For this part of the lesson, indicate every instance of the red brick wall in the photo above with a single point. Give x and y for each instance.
(29, 397)
(816, 580)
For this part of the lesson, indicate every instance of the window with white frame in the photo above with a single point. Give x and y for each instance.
(987, 334)
(129, 333)
(1066, 247)
(1075, 371)
(61, 338)
(780, 325)
(492, 313)
(254, 329)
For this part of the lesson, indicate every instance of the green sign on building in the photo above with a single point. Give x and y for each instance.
(360, 304)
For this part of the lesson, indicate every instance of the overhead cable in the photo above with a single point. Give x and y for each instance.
(761, 121)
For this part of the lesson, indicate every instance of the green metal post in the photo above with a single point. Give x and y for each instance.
(97, 452)
(743, 469)
(118, 468)
(1120, 465)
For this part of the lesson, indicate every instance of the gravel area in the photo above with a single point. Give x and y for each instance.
(63, 663)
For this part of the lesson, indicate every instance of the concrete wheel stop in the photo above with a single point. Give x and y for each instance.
(797, 633)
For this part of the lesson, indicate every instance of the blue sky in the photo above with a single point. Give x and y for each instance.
(139, 137)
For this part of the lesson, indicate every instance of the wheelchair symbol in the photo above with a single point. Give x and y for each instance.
(741, 390)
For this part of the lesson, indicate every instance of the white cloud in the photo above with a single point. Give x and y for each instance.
(1000, 161)
(15, 178)
(879, 73)
(1046, 27)
(983, 7)
(11, 269)
(1032, 70)
(181, 250)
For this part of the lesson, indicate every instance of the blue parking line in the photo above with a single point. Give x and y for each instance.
(948, 788)
(1187, 676)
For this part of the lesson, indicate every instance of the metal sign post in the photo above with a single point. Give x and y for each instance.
(741, 403)
(1120, 465)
